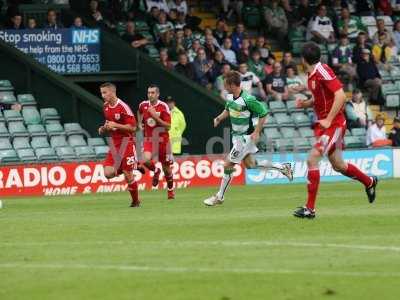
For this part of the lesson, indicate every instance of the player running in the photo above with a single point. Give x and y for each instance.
(328, 101)
(121, 125)
(154, 119)
(241, 107)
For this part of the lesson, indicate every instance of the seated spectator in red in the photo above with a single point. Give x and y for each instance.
(237, 37)
(376, 134)
(221, 31)
(164, 59)
(32, 23)
(369, 77)
(342, 58)
(276, 84)
(394, 134)
(184, 67)
(269, 66)
(16, 22)
(135, 39)
(203, 69)
(78, 24)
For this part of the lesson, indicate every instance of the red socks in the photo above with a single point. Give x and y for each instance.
(312, 187)
(133, 190)
(355, 173)
(150, 165)
(170, 182)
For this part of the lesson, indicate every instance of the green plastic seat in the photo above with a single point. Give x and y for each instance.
(7, 98)
(46, 154)
(54, 129)
(31, 115)
(354, 141)
(26, 155)
(289, 132)
(306, 132)
(76, 140)
(101, 151)
(73, 128)
(26, 100)
(284, 120)
(65, 153)
(85, 152)
(291, 107)
(277, 106)
(2, 119)
(301, 144)
(8, 156)
(5, 144)
(37, 130)
(13, 116)
(97, 141)
(49, 114)
(5, 85)
(21, 143)
(359, 132)
(17, 129)
(272, 133)
(392, 101)
(3, 130)
(271, 121)
(301, 119)
(251, 16)
(58, 141)
(284, 145)
(40, 142)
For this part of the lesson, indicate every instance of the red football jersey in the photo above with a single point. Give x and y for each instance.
(122, 114)
(323, 84)
(150, 125)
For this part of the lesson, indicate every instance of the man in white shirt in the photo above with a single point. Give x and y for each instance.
(229, 54)
(179, 5)
(320, 27)
(160, 4)
(377, 131)
(250, 82)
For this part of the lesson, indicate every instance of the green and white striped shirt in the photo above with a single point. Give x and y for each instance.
(242, 111)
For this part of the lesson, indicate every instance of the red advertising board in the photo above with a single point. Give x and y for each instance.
(51, 179)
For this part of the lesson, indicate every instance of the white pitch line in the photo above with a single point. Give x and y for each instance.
(209, 243)
(167, 269)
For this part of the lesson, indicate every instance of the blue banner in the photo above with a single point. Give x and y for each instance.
(62, 50)
(373, 162)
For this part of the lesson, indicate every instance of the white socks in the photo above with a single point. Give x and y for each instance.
(226, 180)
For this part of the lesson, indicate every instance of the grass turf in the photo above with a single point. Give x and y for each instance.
(95, 247)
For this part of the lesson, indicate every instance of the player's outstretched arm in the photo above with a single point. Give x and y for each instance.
(112, 126)
(304, 103)
(222, 116)
(338, 103)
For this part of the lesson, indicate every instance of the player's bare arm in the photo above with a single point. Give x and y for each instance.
(222, 116)
(340, 100)
(110, 125)
(140, 121)
(257, 131)
(304, 103)
(159, 121)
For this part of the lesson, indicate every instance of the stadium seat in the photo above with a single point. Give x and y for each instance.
(301, 144)
(289, 133)
(94, 142)
(85, 152)
(284, 120)
(13, 116)
(385, 75)
(392, 101)
(46, 154)
(17, 129)
(359, 132)
(54, 129)
(101, 151)
(272, 133)
(291, 106)
(76, 140)
(58, 141)
(49, 114)
(31, 115)
(26, 100)
(3, 130)
(26, 155)
(354, 141)
(37, 130)
(66, 153)
(283, 145)
(271, 121)
(7, 98)
(395, 73)
(348, 132)
(73, 128)
(21, 143)
(277, 107)
(300, 119)
(306, 132)
(8, 156)
(5, 144)
(251, 16)
(39, 142)
(2, 119)
(5, 85)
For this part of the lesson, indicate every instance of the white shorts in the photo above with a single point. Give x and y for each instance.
(242, 146)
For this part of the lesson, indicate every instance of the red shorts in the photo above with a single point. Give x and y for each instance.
(122, 160)
(330, 139)
(160, 151)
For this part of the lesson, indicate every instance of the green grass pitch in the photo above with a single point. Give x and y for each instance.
(95, 247)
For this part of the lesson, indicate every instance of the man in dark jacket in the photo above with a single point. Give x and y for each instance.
(184, 67)
(369, 76)
(394, 134)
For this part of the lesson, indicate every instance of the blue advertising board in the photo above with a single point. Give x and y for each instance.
(374, 162)
(62, 50)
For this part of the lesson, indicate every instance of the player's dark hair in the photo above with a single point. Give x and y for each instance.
(108, 85)
(154, 86)
(233, 78)
(311, 53)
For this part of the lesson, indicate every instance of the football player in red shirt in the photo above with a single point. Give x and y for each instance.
(328, 99)
(154, 119)
(121, 125)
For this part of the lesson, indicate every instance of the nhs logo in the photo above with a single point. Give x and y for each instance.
(86, 36)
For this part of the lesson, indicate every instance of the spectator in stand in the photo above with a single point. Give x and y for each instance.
(350, 25)
(288, 60)
(166, 40)
(160, 4)
(302, 15)
(244, 53)
(16, 22)
(342, 59)
(184, 67)
(221, 31)
(203, 69)
(192, 52)
(178, 126)
(361, 44)
(357, 111)
(229, 54)
(380, 50)
(176, 46)
(181, 21)
(136, 40)
(220, 81)
(262, 47)
(173, 16)
(256, 65)
(269, 66)
(77, 24)
(396, 7)
(231, 6)
(396, 34)
(369, 76)
(237, 37)
(384, 7)
(380, 25)
(296, 87)
(188, 37)
(276, 84)
(219, 62)
(52, 22)
(376, 134)
(276, 21)
(95, 12)
(210, 47)
(152, 18)
(180, 5)
(32, 23)
(163, 25)
(394, 134)
(251, 83)
(164, 59)
(320, 27)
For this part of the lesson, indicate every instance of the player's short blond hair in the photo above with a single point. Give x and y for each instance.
(109, 85)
